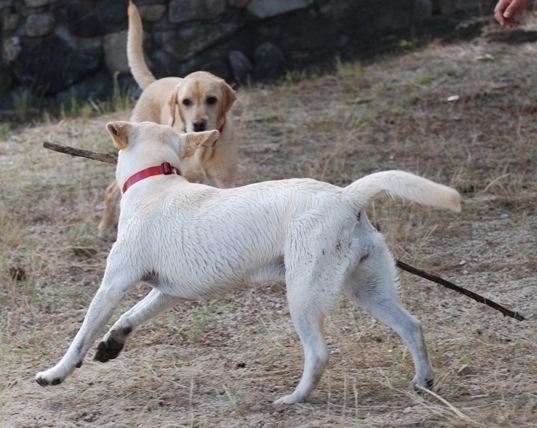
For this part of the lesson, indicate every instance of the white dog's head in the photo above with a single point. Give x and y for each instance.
(145, 144)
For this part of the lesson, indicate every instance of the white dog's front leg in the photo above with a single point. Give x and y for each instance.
(101, 309)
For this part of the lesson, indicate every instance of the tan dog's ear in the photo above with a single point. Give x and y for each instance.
(229, 97)
(172, 102)
(120, 133)
(193, 140)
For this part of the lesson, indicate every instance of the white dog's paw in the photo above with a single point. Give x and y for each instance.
(426, 383)
(289, 399)
(112, 344)
(49, 377)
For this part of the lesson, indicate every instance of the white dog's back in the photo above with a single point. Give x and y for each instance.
(221, 237)
(227, 237)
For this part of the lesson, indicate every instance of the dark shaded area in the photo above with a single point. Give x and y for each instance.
(51, 66)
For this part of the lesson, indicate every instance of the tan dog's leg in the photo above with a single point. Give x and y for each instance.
(111, 199)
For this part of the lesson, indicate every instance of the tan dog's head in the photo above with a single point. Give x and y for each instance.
(202, 101)
(145, 144)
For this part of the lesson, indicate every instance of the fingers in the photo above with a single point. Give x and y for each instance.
(505, 10)
(502, 14)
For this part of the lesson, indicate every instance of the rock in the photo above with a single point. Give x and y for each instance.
(240, 65)
(195, 10)
(97, 86)
(162, 64)
(89, 45)
(338, 9)
(5, 81)
(11, 49)
(191, 39)
(217, 67)
(112, 15)
(38, 3)
(39, 25)
(80, 20)
(6, 101)
(5, 4)
(514, 36)
(423, 9)
(238, 3)
(267, 56)
(263, 9)
(448, 7)
(10, 22)
(471, 27)
(115, 52)
(52, 65)
(152, 13)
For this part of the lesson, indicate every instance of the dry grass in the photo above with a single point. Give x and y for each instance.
(222, 363)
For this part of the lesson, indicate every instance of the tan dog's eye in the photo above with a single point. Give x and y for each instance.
(187, 102)
(211, 100)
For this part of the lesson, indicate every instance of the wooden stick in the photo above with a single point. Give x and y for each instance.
(102, 157)
(451, 286)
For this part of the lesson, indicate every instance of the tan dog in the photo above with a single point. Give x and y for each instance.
(198, 102)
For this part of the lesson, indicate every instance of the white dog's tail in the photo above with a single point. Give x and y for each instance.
(404, 185)
(135, 53)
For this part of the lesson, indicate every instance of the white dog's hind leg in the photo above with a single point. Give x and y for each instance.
(308, 320)
(102, 307)
(317, 256)
(114, 341)
(372, 287)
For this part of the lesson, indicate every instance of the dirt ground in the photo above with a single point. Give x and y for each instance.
(463, 114)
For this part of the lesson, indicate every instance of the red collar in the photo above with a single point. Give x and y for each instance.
(162, 169)
(221, 127)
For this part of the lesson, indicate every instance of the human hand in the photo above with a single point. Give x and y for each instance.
(505, 10)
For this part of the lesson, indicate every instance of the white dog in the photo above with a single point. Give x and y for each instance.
(190, 241)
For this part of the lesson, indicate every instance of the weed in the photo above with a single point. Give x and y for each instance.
(349, 70)
(406, 45)
(5, 133)
(270, 118)
(75, 108)
(425, 80)
(23, 100)
(292, 77)
(81, 243)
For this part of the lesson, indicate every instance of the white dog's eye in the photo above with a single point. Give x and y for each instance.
(211, 100)
(187, 102)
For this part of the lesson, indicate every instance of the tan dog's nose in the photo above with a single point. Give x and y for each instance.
(199, 125)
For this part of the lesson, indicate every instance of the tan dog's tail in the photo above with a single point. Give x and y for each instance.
(135, 54)
(403, 185)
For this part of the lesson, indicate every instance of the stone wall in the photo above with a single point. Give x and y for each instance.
(61, 48)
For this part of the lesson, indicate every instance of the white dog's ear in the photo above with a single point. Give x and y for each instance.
(193, 140)
(120, 133)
